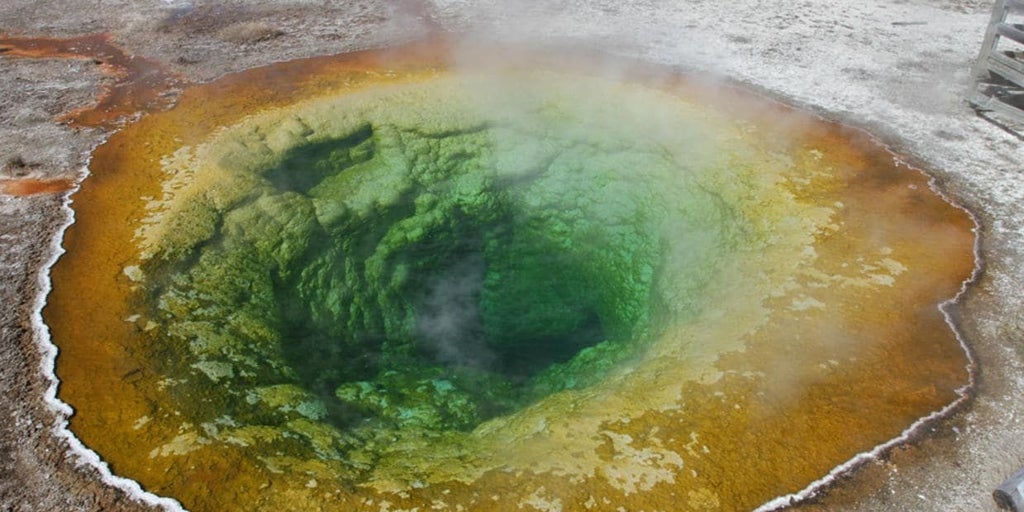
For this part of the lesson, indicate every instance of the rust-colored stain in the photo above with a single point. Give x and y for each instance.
(32, 186)
(139, 84)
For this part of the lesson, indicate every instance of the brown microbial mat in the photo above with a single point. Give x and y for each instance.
(457, 277)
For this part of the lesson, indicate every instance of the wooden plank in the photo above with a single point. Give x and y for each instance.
(1011, 31)
(1010, 495)
(999, 10)
(988, 104)
(1006, 67)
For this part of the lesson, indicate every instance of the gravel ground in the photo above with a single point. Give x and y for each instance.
(896, 68)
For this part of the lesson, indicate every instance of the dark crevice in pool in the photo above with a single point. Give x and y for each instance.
(477, 309)
(480, 310)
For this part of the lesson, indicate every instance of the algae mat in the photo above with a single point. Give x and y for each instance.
(411, 279)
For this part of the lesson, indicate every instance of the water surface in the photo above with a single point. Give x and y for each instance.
(409, 278)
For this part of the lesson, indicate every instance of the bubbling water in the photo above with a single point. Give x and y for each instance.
(396, 284)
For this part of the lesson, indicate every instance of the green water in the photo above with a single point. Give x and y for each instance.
(411, 262)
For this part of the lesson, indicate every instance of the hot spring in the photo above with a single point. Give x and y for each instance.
(402, 280)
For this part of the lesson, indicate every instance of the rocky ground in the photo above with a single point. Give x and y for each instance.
(898, 68)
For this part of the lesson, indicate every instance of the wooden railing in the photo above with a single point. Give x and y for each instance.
(999, 70)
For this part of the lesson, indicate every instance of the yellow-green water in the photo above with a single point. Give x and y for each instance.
(381, 281)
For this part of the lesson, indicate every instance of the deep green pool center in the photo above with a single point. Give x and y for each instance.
(420, 258)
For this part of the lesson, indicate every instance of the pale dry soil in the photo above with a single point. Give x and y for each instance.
(896, 68)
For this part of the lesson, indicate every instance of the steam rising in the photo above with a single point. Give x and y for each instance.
(449, 324)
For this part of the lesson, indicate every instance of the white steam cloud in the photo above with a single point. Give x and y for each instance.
(449, 323)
